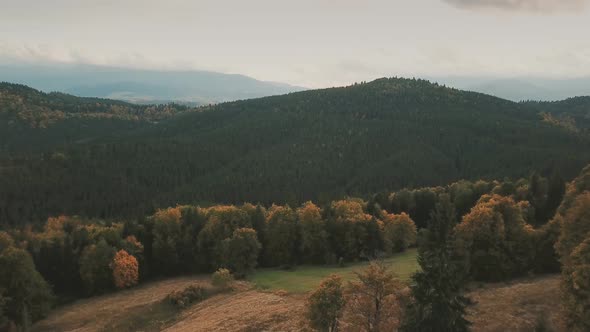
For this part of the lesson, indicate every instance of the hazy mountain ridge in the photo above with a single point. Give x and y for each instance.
(142, 86)
(522, 88)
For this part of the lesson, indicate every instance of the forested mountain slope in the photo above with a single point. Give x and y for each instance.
(319, 144)
(31, 120)
(572, 113)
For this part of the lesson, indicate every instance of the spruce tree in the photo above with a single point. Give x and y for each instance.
(437, 289)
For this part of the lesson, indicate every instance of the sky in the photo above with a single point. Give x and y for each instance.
(311, 43)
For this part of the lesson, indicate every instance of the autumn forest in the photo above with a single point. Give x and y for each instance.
(100, 196)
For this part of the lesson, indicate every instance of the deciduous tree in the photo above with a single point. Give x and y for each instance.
(494, 240)
(399, 232)
(314, 238)
(240, 252)
(27, 296)
(376, 301)
(282, 233)
(574, 251)
(125, 270)
(95, 269)
(326, 304)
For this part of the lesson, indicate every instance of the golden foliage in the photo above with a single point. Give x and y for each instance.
(494, 239)
(350, 210)
(169, 215)
(399, 231)
(376, 301)
(574, 251)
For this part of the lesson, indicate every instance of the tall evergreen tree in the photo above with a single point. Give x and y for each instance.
(437, 289)
(555, 194)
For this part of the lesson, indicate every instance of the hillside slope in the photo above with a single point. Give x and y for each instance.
(320, 144)
(34, 121)
(516, 306)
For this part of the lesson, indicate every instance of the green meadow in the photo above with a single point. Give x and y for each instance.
(307, 277)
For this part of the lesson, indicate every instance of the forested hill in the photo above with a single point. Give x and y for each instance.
(319, 144)
(32, 120)
(572, 113)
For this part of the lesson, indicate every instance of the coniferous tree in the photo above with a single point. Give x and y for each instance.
(437, 289)
(555, 194)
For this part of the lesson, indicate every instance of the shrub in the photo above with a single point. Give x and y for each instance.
(188, 296)
(222, 278)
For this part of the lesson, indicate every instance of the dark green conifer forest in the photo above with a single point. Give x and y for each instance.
(98, 158)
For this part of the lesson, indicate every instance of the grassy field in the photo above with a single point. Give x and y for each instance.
(308, 277)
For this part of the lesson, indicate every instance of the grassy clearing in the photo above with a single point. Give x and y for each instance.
(308, 277)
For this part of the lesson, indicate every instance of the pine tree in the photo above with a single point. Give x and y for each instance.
(555, 194)
(437, 289)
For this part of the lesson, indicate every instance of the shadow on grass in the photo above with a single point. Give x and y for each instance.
(151, 317)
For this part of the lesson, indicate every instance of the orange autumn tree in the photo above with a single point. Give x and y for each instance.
(125, 269)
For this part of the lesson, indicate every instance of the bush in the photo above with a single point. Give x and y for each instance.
(188, 296)
(222, 278)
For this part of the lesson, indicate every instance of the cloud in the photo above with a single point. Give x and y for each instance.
(542, 6)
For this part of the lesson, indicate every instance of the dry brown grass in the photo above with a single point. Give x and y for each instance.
(95, 314)
(514, 306)
(248, 310)
(517, 306)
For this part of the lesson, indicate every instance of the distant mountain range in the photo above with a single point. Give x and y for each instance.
(521, 88)
(141, 86)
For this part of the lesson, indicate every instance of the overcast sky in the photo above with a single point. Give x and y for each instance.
(314, 43)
